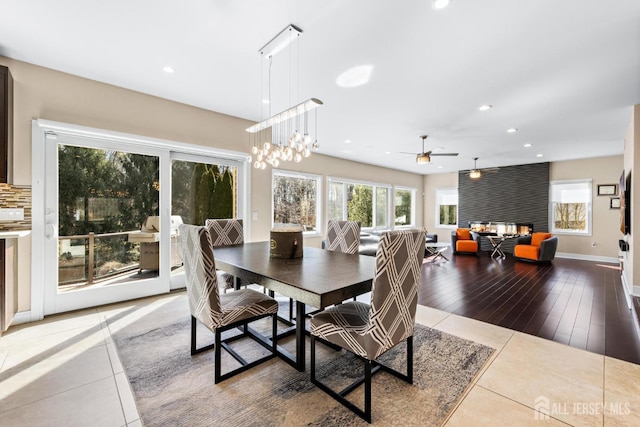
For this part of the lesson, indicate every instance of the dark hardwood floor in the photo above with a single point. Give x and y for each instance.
(574, 302)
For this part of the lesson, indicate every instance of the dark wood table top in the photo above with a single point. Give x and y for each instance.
(320, 278)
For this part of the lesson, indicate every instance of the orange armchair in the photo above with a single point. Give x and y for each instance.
(463, 240)
(538, 247)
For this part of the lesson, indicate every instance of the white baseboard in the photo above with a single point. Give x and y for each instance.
(611, 260)
(21, 317)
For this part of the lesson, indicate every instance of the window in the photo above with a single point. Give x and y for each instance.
(296, 199)
(570, 207)
(404, 206)
(200, 191)
(382, 201)
(358, 201)
(446, 207)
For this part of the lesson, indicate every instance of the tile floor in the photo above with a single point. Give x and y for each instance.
(65, 370)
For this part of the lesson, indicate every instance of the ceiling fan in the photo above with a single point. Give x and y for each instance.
(425, 156)
(476, 173)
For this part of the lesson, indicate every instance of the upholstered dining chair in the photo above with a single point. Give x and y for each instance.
(369, 330)
(221, 312)
(343, 236)
(226, 232)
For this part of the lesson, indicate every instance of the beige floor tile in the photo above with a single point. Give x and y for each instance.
(474, 330)
(560, 359)
(116, 365)
(108, 339)
(147, 312)
(482, 407)
(34, 350)
(53, 375)
(96, 404)
(126, 398)
(622, 393)
(83, 319)
(3, 356)
(430, 317)
(530, 371)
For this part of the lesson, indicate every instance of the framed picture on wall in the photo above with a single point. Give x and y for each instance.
(608, 190)
(614, 203)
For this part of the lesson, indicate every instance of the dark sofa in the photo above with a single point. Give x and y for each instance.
(369, 242)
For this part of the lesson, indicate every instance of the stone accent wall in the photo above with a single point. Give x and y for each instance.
(513, 194)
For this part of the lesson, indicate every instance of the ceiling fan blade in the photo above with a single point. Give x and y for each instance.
(443, 154)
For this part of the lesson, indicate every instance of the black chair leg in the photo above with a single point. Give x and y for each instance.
(410, 359)
(217, 359)
(367, 391)
(193, 335)
(340, 396)
(195, 350)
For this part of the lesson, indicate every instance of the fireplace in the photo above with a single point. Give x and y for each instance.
(492, 228)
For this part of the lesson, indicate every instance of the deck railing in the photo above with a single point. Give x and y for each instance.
(104, 255)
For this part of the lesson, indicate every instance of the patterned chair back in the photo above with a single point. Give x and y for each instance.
(343, 236)
(200, 274)
(394, 293)
(225, 232)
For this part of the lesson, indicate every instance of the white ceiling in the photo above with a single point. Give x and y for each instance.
(565, 73)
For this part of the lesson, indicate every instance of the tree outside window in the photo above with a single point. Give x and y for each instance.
(335, 202)
(358, 201)
(403, 206)
(382, 201)
(360, 204)
(295, 199)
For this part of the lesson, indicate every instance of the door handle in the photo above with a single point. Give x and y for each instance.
(51, 231)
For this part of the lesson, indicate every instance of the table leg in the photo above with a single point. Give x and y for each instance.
(300, 336)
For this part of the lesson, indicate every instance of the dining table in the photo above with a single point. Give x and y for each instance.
(320, 278)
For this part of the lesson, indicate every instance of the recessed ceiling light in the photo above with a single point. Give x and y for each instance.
(439, 166)
(168, 69)
(512, 130)
(265, 101)
(485, 107)
(527, 145)
(347, 141)
(441, 4)
(538, 155)
(387, 152)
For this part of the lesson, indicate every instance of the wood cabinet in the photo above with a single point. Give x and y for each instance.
(6, 136)
(6, 121)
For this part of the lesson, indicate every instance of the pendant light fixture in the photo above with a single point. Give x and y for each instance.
(284, 136)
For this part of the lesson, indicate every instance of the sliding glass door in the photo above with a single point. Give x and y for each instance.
(107, 211)
(201, 188)
(103, 240)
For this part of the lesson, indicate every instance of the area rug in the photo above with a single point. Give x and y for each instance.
(172, 388)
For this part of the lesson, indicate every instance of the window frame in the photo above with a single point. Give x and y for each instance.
(412, 220)
(443, 190)
(318, 179)
(375, 186)
(589, 211)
